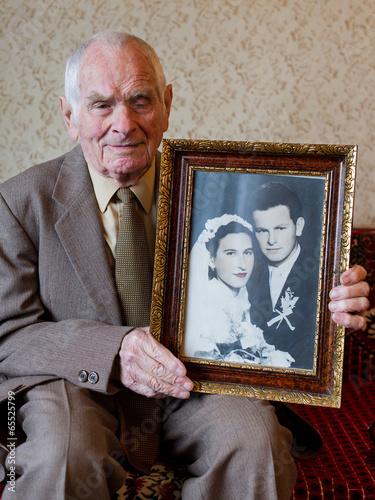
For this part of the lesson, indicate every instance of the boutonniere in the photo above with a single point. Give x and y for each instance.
(288, 303)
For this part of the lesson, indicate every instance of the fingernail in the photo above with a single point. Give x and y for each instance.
(188, 385)
(335, 294)
(337, 318)
(346, 280)
(184, 394)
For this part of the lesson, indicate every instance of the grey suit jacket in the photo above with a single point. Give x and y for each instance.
(59, 309)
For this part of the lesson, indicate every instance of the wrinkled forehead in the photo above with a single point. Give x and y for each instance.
(106, 64)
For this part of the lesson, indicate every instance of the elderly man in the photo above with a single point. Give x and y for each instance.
(76, 370)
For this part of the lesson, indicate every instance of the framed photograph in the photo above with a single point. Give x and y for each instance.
(251, 237)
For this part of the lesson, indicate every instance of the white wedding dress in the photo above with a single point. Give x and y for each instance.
(219, 317)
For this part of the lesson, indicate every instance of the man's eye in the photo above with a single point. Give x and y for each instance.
(141, 103)
(102, 105)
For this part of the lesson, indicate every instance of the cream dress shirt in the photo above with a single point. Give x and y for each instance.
(108, 204)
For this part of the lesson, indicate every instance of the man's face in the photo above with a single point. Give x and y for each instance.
(276, 233)
(121, 116)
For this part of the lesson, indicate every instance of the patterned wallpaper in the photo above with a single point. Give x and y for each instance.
(275, 70)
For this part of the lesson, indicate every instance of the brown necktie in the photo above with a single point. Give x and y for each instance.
(133, 266)
(140, 417)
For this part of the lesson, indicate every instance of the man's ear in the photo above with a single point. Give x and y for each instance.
(300, 224)
(67, 112)
(168, 96)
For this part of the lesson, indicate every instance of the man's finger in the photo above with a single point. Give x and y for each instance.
(354, 322)
(358, 304)
(138, 380)
(150, 369)
(163, 356)
(353, 275)
(342, 292)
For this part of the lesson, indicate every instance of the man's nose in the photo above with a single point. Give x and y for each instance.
(123, 119)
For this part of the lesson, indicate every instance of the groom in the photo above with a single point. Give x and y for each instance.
(284, 294)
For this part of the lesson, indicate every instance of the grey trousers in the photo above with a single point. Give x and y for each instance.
(234, 447)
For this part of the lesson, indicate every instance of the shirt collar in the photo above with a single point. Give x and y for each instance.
(105, 188)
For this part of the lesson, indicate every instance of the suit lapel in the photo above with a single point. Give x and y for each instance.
(80, 231)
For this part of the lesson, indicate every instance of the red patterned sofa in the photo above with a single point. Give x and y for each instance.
(345, 469)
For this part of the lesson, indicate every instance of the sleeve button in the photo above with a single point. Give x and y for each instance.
(93, 378)
(83, 376)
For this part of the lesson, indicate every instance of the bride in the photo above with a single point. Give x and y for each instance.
(217, 318)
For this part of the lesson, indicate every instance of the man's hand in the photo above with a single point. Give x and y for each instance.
(147, 367)
(349, 300)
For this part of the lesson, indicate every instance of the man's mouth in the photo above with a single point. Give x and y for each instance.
(123, 146)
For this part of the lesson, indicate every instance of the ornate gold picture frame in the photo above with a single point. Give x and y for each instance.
(251, 237)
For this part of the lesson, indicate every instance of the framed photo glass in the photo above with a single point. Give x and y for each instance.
(251, 237)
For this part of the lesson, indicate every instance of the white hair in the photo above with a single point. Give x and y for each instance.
(116, 40)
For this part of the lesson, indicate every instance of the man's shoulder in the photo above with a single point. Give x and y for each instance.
(38, 183)
(40, 176)
(303, 278)
(306, 264)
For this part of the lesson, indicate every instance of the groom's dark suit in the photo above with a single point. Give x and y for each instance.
(294, 332)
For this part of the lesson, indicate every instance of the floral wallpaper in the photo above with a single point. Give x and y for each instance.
(275, 70)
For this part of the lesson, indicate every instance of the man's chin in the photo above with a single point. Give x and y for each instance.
(123, 172)
(274, 259)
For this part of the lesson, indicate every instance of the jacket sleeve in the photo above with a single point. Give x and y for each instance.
(33, 341)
